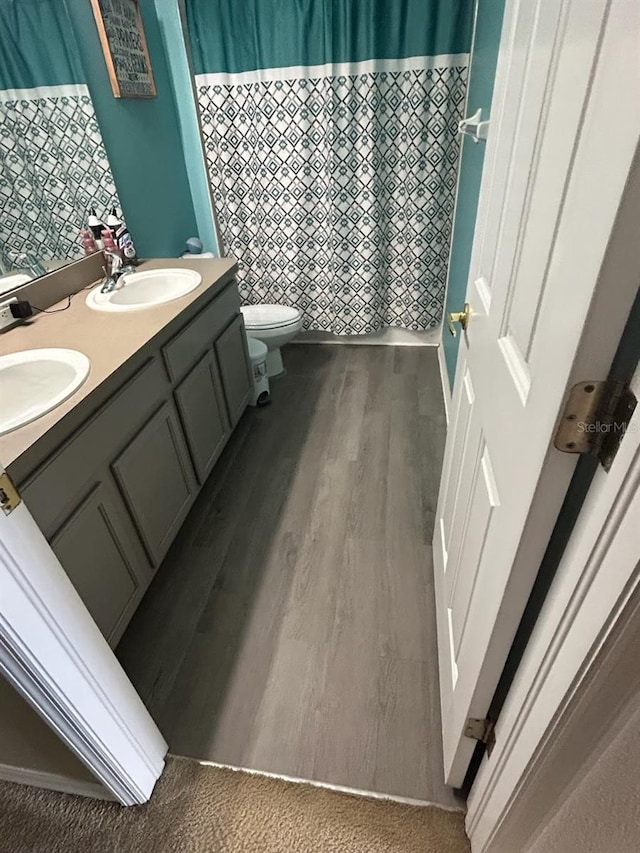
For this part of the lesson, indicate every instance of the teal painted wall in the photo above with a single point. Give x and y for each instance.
(174, 40)
(482, 74)
(143, 141)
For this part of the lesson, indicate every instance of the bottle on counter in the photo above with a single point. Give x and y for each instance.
(108, 242)
(96, 227)
(89, 243)
(113, 220)
(124, 243)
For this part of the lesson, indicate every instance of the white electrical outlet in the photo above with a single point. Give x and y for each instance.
(6, 317)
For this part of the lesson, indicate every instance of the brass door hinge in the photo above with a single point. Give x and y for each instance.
(9, 495)
(482, 730)
(595, 419)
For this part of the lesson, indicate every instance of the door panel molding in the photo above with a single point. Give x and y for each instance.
(579, 670)
(519, 384)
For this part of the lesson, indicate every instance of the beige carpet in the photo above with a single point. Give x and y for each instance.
(204, 809)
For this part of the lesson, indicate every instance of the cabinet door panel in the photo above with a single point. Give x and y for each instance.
(69, 472)
(100, 551)
(233, 360)
(156, 478)
(203, 414)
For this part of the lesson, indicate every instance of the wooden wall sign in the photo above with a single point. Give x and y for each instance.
(125, 48)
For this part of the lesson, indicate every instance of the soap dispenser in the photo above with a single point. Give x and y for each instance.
(113, 220)
(96, 227)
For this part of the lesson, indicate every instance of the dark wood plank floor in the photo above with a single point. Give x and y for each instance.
(291, 628)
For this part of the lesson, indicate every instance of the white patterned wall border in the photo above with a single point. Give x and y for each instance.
(336, 193)
(54, 167)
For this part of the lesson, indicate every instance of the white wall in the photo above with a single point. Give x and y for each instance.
(602, 814)
(29, 749)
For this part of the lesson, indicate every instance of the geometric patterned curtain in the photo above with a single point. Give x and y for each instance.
(330, 132)
(53, 168)
(53, 165)
(335, 191)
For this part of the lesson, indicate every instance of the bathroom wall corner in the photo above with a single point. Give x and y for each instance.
(482, 68)
(171, 15)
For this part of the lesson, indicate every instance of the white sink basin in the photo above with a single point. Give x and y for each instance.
(34, 382)
(139, 290)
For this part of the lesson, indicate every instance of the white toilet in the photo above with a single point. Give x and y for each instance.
(274, 325)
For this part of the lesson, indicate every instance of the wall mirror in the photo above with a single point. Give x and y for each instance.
(53, 164)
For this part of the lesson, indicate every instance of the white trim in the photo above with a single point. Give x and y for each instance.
(338, 69)
(444, 381)
(68, 90)
(329, 786)
(53, 782)
(392, 336)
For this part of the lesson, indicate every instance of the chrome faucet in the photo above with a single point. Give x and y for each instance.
(34, 265)
(114, 262)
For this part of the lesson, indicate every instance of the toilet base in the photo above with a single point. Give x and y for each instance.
(275, 367)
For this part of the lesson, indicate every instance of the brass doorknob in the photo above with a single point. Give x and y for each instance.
(461, 317)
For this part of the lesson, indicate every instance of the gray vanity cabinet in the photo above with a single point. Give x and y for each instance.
(102, 554)
(156, 478)
(203, 414)
(112, 493)
(233, 359)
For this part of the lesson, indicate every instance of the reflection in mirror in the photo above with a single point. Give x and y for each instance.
(54, 165)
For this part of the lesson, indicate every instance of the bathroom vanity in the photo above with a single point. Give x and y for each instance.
(111, 474)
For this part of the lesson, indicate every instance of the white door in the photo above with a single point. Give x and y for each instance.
(53, 653)
(564, 127)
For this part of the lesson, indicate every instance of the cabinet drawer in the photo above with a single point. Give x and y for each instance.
(64, 478)
(191, 341)
(156, 478)
(203, 413)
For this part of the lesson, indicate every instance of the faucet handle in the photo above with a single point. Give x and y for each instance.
(115, 259)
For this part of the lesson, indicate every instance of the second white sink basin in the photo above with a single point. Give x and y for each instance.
(138, 290)
(34, 382)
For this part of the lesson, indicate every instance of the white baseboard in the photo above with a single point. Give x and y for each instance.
(392, 336)
(444, 381)
(53, 782)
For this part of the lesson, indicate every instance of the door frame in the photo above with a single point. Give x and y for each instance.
(53, 654)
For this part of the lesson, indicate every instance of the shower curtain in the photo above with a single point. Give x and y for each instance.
(330, 136)
(53, 165)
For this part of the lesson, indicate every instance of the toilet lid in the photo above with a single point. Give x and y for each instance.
(267, 316)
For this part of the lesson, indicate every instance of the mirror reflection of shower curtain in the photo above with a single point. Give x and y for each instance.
(330, 131)
(53, 165)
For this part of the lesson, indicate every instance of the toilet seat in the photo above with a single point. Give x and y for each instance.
(269, 316)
